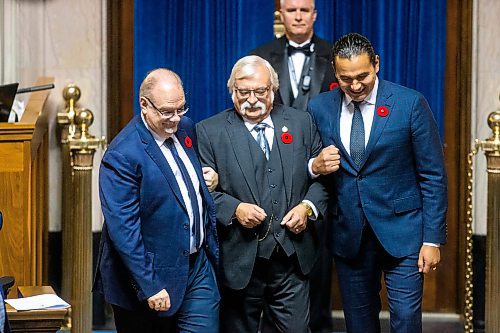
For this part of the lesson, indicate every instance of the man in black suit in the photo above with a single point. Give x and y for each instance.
(266, 202)
(302, 61)
(301, 58)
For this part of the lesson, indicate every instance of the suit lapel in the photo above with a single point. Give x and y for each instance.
(279, 60)
(152, 149)
(238, 134)
(319, 66)
(280, 120)
(384, 98)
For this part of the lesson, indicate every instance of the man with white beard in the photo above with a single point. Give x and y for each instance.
(266, 202)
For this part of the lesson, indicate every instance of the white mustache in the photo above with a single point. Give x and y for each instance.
(257, 105)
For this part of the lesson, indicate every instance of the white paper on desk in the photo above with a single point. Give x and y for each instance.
(44, 301)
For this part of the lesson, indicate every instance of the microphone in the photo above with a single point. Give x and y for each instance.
(35, 88)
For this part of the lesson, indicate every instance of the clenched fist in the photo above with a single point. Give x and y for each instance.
(327, 161)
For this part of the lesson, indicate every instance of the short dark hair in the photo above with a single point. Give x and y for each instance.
(351, 45)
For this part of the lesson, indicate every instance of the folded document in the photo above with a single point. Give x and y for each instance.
(44, 301)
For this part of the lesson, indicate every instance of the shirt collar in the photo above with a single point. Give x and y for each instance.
(292, 43)
(268, 121)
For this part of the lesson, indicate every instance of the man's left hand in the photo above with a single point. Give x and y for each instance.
(296, 219)
(211, 178)
(428, 258)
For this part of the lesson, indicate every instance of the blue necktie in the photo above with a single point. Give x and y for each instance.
(260, 128)
(357, 145)
(191, 191)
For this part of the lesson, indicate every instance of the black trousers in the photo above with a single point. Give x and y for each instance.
(320, 280)
(276, 283)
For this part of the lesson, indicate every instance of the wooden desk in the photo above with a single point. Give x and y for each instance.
(47, 321)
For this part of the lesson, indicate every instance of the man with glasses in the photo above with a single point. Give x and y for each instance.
(266, 202)
(159, 247)
(302, 61)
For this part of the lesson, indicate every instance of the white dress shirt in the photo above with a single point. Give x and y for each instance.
(297, 60)
(367, 108)
(180, 182)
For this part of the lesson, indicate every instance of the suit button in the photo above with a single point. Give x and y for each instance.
(185, 253)
(273, 186)
(360, 177)
(186, 226)
(277, 234)
(275, 202)
(270, 170)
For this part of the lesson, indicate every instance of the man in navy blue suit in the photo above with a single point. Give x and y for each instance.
(159, 250)
(391, 188)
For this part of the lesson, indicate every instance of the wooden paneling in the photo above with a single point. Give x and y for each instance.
(23, 192)
(121, 63)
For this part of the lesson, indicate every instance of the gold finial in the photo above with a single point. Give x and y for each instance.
(71, 92)
(84, 118)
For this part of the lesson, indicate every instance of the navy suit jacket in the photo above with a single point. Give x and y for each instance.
(145, 238)
(400, 186)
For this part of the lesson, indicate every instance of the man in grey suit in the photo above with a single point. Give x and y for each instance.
(266, 202)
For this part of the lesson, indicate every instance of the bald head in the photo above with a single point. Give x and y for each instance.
(162, 101)
(159, 77)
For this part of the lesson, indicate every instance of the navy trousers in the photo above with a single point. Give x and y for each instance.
(199, 311)
(360, 285)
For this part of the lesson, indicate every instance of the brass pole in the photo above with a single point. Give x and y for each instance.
(491, 148)
(65, 120)
(83, 147)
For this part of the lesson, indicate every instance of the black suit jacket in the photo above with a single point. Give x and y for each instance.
(322, 74)
(224, 146)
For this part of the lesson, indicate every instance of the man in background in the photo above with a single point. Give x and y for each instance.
(159, 248)
(302, 61)
(390, 190)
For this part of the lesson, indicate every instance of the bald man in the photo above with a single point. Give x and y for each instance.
(159, 250)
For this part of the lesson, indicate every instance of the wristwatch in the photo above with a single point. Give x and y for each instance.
(308, 208)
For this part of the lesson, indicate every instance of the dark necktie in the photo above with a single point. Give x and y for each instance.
(191, 191)
(357, 145)
(306, 49)
(260, 128)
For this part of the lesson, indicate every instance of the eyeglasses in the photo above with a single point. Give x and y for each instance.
(259, 92)
(167, 114)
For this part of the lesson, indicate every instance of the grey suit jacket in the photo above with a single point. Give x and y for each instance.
(223, 145)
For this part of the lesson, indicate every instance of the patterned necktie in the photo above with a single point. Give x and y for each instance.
(260, 128)
(357, 145)
(191, 191)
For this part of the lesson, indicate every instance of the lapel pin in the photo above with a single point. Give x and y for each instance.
(287, 138)
(188, 142)
(333, 85)
(284, 129)
(382, 111)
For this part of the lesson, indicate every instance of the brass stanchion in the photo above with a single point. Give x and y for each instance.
(491, 148)
(65, 121)
(82, 146)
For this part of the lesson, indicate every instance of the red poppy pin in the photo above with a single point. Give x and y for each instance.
(286, 138)
(382, 111)
(333, 85)
(188, 142)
